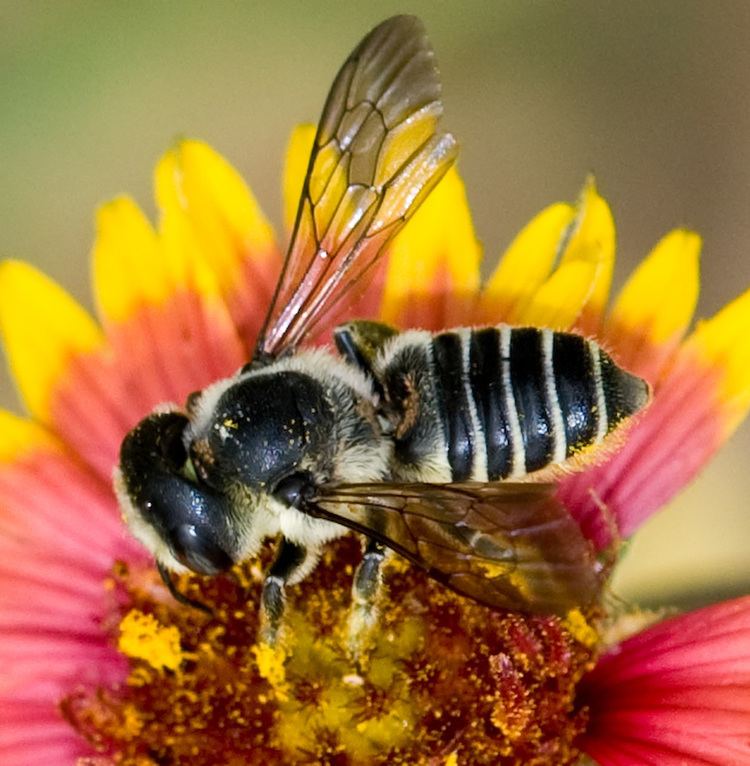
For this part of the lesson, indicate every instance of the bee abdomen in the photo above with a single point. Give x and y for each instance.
(501, 402)
(539, 397)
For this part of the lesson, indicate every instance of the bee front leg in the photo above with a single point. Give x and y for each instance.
(365, 591)
(290, 559)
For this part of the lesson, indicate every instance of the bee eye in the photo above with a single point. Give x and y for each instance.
(294, 490)
(196, 550)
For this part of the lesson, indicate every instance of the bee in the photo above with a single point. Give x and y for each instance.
(423, 443)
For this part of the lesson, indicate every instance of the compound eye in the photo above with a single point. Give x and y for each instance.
(197, 550)
(295, 490)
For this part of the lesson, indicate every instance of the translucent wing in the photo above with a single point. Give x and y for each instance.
(511, 546)
(377, 154)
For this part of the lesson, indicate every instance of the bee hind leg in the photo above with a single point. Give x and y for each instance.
(365, 591)
(290, 561)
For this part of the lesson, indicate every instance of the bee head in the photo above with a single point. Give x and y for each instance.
(182, 521)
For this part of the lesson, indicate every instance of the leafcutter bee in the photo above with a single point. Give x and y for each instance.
(423, 443)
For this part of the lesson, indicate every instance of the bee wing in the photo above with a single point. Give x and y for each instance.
(377, 154)
(510, 546)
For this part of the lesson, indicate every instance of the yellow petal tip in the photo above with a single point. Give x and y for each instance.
(659, 299)
(42, 328)
(125, 265)
(526, 264)
(723, 343)
(589, 187)
(199, 192)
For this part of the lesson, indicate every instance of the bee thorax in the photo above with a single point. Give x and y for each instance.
(309, 413)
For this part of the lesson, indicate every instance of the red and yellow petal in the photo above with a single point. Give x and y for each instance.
(722, 345)
(55, 351)
(654, 309)
(433, 275)
(699, 401)
(227, 227)
(60, 532)
(168, 327)
(43, 331)
(676, 694)
(161, 304)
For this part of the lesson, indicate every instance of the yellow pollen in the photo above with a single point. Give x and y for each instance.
(132, 720)
(142, 637)
(492, 570)
(270, 661)
(520, 583)
(512, 723)
(580, 629)
(452, 759)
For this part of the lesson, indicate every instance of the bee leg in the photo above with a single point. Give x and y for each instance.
(290, 558)
(365, 590)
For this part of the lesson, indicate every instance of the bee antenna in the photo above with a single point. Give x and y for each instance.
(181, 597)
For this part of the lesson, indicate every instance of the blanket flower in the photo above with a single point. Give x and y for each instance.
(101, 666)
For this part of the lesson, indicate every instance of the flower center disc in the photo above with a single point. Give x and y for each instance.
(443, 680)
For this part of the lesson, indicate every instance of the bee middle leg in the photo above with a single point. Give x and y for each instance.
(290, 559)
(365, 591)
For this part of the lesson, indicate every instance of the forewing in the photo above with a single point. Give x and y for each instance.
(510, 546)
(377, 154)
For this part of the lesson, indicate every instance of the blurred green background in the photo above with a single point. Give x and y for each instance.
(652, 97)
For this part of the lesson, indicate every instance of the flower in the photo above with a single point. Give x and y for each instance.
(102, 666)
(677, 693)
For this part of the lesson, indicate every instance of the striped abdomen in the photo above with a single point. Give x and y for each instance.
(499, 402)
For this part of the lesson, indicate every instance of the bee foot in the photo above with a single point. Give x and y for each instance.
(363, 619)
(269, 636)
